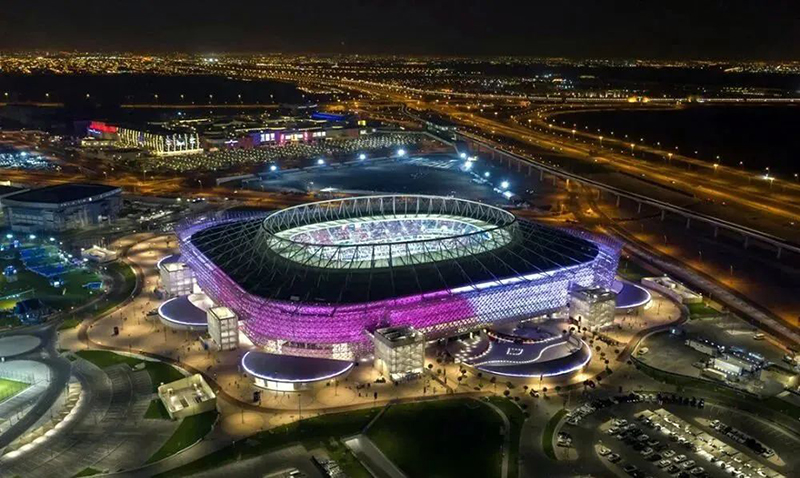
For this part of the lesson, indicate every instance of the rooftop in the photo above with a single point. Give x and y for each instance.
(290, 368)
(535, 251)
(61, 193)
(181, 311)
(398, 335)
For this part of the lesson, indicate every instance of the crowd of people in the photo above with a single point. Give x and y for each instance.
(384, 233)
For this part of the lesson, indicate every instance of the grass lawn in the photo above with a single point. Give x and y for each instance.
(458, 437)
(156, 411)
(312, 432)
(516, 418)
(160, 372)
(9, 321)
(9, 388)
(189, 432)
(549, 430)
(700, 311)
(104, 358)
(70, 323)
(87, 472)
(632, 271)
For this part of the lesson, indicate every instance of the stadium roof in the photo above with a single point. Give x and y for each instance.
(236, 249)
(61, 193)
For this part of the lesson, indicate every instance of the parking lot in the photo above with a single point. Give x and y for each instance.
(665, 435)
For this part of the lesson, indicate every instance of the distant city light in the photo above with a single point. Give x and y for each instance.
(32, 237)
(463, 155)
(362, 156)
(467, 165)
(486, 174)
(401, 152)
(273, 168)
(320, 161)
(504, 185)
(508, 194)
(9, 236)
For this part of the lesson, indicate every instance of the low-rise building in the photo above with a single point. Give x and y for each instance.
(187, 396)
(399, 351)
(673, 288)
(61, 207)
(100, 255)
(176, 277)
(593, 307)
(702, 346)
(223, 327)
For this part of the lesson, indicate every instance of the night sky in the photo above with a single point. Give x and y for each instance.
(749, 29)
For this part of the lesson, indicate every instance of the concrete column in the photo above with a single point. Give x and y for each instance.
(519, 165)
(746, 241)
(541, 175)
(639, 208)
(688, 222)
(716, 231)
(618, 199)
(554, 179)
(530, 169)
(778, 256)
(663, 214)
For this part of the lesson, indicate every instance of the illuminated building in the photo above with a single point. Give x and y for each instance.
(593, 307)
(61, 207)
(223, 327)
(399, 351)
(318, 279)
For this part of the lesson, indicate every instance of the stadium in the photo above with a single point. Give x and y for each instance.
(317, 279)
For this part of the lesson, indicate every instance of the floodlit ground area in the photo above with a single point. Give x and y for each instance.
(9, 388)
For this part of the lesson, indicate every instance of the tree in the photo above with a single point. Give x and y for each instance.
(506, 393)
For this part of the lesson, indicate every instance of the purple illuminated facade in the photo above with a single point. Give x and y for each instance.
(339, 329)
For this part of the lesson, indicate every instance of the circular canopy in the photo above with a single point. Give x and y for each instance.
(292, 369)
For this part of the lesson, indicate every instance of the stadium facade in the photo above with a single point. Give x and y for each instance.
(318, 278)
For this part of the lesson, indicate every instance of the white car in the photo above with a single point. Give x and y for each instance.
(663, 463)
(679, 458)
(603, 451)
(668, 453)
